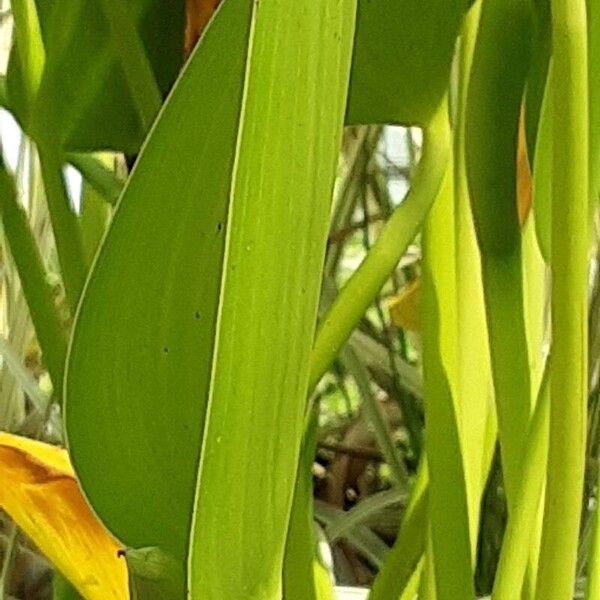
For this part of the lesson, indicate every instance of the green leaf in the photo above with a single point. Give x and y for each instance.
(569, 265)
(301, 565)
(365, 510)
(494, 103)
(98, 175)
(593, 15)
(403, 559)
(500, 65)
(94, 218)
(32, 275)
(541, 51)
(84, 96)
(399, 231)
(448, 504)
(189, 358)
(401, 61)
(25, 378)
(523, 520)
(152, 574)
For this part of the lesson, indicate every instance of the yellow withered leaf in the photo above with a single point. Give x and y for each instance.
(405, 308)
(40, 493)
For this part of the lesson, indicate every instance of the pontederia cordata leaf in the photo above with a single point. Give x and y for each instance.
(144, 389)
(189, 358)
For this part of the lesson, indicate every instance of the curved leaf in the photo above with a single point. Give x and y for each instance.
(194, 332)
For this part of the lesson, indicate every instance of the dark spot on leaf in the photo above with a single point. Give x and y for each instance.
(166, 350)
(219, 226)
(197, 314)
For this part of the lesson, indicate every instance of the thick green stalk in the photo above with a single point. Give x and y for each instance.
(523, 521)
(403, 559)
(569, 260)
(503, 289)
(300, 560)
(28, 36)
(98, 175)
(134, 61)
(359, 292)
(36, 289)
(448, 504)
(67, 232)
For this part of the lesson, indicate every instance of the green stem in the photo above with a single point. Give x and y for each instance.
(28, 37)
(448, 504)
(503, 290)
(359, 292)
(522, 521)
(36, 289)
(374, 415)
(569, 260)
(409, 546)
(134, 61)
(102, 179)
(67, 232)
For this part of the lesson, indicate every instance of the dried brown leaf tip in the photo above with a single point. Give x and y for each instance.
(198, 14)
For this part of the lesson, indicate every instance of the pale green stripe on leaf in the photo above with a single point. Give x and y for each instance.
(289, 133)
(448, 502)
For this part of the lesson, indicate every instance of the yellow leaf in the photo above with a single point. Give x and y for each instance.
(405, 308)
(40, 493)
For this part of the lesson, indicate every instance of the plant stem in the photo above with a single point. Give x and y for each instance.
(67, 233)
(448, 505)
(134, 61)
(36, 289)
(374, 415)
(522, 520)
(409, 546)
(103, 180)
(359, 292)
(569, 260)
(28, 36)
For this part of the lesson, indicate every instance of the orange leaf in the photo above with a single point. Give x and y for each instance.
(405, 308)
(524, 183)
(199, 13)
(41, 495)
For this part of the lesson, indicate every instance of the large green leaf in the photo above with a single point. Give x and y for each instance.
(189, 359)
(402, 57)
(83, 89)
